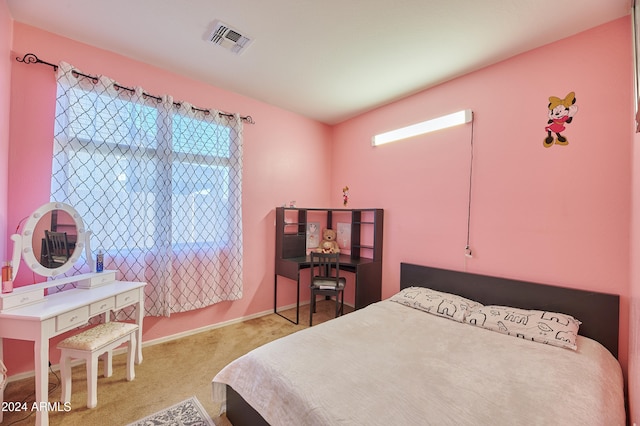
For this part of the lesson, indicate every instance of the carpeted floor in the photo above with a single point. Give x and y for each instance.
(170, 373)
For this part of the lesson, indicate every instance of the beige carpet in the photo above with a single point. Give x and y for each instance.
(170, 372)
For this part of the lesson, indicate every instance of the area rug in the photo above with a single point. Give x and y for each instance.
(186, 413)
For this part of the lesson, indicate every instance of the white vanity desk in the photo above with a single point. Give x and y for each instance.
(27, 314)
(60, 312)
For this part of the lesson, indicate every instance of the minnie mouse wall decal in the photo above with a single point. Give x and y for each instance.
(561, 112)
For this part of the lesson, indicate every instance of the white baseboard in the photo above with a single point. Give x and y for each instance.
(56, 367)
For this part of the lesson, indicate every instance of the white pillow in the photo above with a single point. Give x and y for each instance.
(550, 328)
(435, 302)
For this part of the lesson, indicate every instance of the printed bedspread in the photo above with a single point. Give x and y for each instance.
(391, 364)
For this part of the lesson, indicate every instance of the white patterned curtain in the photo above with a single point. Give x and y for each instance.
(158, 183)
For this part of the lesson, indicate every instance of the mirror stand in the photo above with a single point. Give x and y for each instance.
(37, 267)
(35, 247)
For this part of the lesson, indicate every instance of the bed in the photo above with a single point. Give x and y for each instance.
(435, 353)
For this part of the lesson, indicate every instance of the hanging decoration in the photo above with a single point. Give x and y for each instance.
(345, 196)
(561, 112)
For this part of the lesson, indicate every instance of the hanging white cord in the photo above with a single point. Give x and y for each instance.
(467, 248)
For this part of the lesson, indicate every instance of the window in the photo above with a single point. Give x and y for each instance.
(158, 184)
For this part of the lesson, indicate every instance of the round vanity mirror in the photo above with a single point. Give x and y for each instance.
(53, 239)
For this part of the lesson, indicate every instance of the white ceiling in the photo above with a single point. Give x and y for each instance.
(325, 59)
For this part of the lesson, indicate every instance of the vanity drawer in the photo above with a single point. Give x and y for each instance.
(20, 297)
(102, 306)
(127, 298)
(97, 279)
(72, 318)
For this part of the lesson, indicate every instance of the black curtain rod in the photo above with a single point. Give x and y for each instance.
(30, 58)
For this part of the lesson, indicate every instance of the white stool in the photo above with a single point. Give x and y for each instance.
(3, 384)
(91, 344)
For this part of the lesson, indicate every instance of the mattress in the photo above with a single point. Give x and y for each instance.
(391, 364)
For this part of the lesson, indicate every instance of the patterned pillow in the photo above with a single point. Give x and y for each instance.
(550, 328)
(446, 305)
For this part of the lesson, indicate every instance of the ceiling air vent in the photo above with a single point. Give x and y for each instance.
(229, 38)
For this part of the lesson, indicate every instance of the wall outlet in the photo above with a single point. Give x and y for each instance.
(467, 251)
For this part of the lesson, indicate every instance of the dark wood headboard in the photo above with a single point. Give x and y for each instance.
(599, 312)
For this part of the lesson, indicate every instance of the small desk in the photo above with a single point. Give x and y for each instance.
(368, 282)
(61, 312)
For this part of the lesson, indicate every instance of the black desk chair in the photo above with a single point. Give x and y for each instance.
(57, 249)
(324, 282)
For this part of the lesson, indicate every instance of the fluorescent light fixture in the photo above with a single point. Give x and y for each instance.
(449, 120)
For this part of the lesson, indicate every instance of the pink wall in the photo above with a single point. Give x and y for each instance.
(634, 296)
(559, 215)
(6, 24)
(277, 152)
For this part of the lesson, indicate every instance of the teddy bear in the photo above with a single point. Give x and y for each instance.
(328, 243)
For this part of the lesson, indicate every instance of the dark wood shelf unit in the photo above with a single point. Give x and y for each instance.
(364, 258)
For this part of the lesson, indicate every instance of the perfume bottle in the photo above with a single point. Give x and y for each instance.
(7, 278)
(99, 261)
